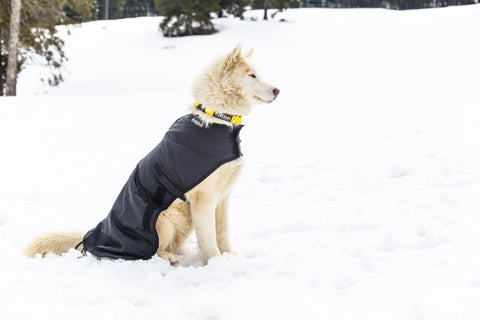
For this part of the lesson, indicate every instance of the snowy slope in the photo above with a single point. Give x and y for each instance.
(360, 197)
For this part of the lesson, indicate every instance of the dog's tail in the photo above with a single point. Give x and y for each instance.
(56, 243)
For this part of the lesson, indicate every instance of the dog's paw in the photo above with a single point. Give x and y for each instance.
(170, 257)
(214, 260)
(230, 253)
(226, 256)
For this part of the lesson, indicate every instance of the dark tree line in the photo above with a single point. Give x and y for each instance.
(389, 4)
(86, 10)
(193, 17)
(139, 8)
(113, 9)
(38, 34)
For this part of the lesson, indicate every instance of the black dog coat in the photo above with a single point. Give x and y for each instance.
(188, 154)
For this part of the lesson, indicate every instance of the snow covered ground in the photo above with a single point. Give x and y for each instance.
(361, 194)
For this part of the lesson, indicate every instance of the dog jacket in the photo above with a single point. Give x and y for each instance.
(188, 153)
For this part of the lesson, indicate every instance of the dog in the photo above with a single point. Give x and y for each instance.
(184, 184)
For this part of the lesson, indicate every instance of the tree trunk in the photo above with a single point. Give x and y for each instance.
(265, 16)
(106, 9)
(12, 65)
(1, 67)
(189, 27)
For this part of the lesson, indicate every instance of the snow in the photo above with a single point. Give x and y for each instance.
(360, 195)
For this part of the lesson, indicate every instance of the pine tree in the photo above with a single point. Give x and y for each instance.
(115, 9)
(37, 37)
(186, 17)
(275, 4)
(139, 8)
(235, 7)
(77, 11)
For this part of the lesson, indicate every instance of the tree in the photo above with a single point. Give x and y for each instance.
(186, 17)
(77, 11)
(37, 38)
(14, 34)
(110, 9)
(275, 4)
(139, 8)
(285, 4)
(3, 62)
(235, 7)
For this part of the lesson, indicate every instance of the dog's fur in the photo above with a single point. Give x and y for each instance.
(229, 85)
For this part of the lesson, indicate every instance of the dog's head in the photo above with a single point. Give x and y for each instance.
(231, 84)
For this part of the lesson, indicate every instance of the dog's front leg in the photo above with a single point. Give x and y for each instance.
(203, 216)
(221, 226)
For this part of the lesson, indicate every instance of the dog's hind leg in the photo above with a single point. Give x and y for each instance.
(173, 226)
(166, 234)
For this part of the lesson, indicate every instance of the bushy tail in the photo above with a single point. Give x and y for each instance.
(57, 243)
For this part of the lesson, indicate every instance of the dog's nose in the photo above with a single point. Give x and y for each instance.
(276, 91)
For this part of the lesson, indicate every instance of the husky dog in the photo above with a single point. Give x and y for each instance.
(184, 183)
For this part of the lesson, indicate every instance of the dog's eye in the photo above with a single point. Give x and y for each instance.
(253, 76)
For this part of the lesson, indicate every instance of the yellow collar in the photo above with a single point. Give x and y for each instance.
(224, 116)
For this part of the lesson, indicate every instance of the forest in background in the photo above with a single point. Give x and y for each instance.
(37, 36)
(118, 9)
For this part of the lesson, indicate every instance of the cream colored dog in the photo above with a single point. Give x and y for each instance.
(229, 85)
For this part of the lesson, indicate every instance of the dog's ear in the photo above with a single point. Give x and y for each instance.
(233, 58)
(249, 54)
